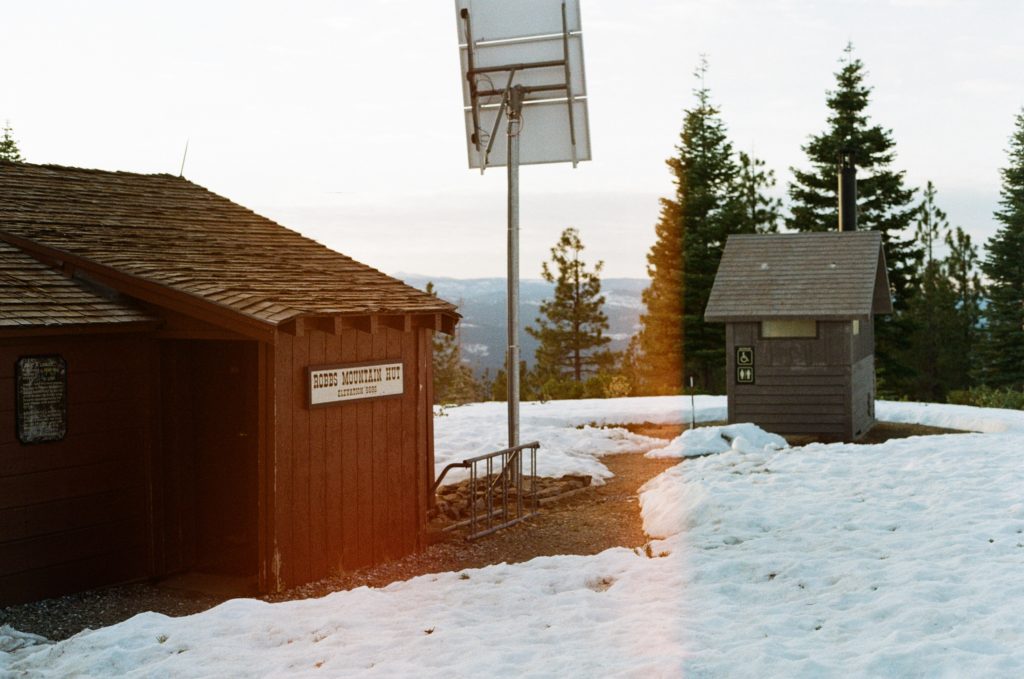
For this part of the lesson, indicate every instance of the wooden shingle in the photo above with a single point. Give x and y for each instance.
(35, 295)
(826, 276)
(168, 231)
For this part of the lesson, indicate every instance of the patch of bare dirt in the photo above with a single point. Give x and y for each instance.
(587, 522)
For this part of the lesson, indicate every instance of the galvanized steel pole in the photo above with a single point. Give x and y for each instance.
(515, 109)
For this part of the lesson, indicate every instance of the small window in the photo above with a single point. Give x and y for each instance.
(789, 328)
(856, 327)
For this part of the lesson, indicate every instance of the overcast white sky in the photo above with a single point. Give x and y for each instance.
(343, 119)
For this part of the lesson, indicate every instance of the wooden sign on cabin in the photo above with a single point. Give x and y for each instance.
(333, 384)
(800, 345)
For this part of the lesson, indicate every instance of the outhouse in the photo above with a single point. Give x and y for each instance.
(188, 386)
(799, 312)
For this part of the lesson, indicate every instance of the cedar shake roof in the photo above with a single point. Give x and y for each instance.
(35, 295)
(828, 276)
(166, 230)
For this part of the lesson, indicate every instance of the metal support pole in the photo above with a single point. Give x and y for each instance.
(515, 109)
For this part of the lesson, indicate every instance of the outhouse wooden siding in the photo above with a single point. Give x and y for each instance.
(822, 385)
(818, 385)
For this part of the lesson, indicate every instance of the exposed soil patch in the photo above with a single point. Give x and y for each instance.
(587, 522)
(884, 431)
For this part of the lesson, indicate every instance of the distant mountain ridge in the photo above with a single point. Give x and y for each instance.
(482, 304)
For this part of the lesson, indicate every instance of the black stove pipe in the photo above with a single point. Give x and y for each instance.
(847, 192)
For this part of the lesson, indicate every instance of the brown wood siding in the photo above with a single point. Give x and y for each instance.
(74, 513)
(207, 472)
(354, 475)
(863, 395)
(864, 342)
(802, 386)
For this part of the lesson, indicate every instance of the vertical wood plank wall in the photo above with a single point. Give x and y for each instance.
(73, 513)
(352, 479)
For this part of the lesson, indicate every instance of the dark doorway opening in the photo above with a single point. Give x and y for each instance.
(209, 457)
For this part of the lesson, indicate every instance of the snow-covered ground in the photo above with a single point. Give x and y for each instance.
(904, 559)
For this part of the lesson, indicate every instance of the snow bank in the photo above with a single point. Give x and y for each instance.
(566, 616)
(893, 560)
(705, 440)
(967, 418)
(13, 640)
(571, 432)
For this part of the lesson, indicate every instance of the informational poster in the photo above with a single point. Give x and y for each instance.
(339, 383)
(41, 385)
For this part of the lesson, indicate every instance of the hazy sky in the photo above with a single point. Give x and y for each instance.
(343, 119)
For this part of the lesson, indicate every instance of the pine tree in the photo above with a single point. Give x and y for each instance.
(1004, 267)
(654, 359)
(932, 309)
(883, 204)
(710, 207)
(453, 379)
(761, 212)
(715, 195)
(571, 327)
(962, 269)
(8, 147)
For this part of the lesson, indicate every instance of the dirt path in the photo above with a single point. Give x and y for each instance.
(589, 522)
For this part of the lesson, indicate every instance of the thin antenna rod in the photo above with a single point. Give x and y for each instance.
(181, 172)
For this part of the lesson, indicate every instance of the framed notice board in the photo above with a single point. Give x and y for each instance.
(41, 398)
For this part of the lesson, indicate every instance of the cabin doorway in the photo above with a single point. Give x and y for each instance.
(209, 456)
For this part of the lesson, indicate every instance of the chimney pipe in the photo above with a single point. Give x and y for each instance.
(847, 192)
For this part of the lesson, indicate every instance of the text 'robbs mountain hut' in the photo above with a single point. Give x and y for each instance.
(185, 385)
(799, 311)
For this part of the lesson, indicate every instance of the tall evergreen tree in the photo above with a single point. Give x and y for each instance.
(932, 309)
(715, 195)
(761, 211)
(8, 147)
(572, 325)
(883, 204)
(655, 356)
(1004, 267)
(711, 207)
(962, 269)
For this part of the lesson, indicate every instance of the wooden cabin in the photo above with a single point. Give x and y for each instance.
(188, 386)
(799, 312)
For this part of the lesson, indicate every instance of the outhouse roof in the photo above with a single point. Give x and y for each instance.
(34, 295)
(168, 231)
(833, 275)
